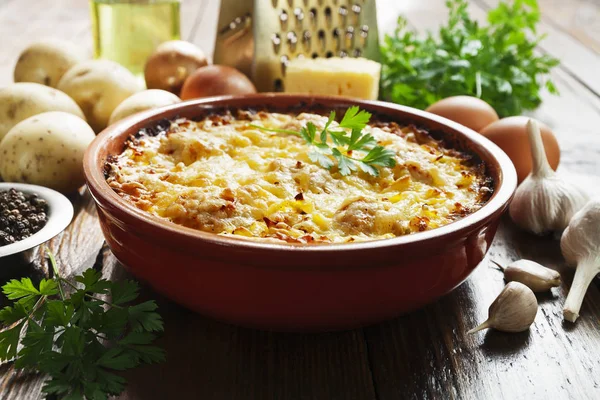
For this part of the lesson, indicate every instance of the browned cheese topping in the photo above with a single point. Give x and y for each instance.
(222, 175)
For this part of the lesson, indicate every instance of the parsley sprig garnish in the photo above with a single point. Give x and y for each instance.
(79, 340)
(351, 149)
(496, 62)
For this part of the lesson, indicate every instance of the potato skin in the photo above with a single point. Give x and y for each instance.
(46, 149)
(171, 63)
(141, 101)
(23, 100)
(98, 87)
(46, 61)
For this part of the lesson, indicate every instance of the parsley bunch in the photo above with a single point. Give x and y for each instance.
(80, 340)
(345, 144)
(496, 63)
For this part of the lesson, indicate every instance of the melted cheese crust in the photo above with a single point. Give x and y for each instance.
(224, 176)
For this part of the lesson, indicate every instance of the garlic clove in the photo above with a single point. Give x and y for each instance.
(514, 310)
(580, 245)
(533, 275)
(544, 202)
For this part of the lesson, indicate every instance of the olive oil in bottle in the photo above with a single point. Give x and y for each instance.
(128, 31)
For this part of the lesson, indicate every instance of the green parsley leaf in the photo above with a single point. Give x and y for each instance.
(10, 315)
(124, 291)
(118, 359)
(9, 340)
(380, 156)
(142, 317)
(354, 118)
(320, 158)
(22, 290)
(58, 313)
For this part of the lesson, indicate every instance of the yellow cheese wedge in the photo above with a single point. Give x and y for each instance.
(352, 77)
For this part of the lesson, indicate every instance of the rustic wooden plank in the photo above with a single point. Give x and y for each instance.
(427, 354)
(578, 18)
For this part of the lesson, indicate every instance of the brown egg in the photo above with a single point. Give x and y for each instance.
(510, 134)
(216, 80)
(171, 63)
(471, 112)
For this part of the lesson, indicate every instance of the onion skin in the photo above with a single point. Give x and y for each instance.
(216, 80)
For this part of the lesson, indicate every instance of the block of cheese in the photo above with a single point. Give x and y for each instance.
(352, 77)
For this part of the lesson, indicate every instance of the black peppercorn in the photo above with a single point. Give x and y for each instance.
(21, 215)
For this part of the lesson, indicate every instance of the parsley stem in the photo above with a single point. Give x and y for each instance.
(289, 132)
(55, 270)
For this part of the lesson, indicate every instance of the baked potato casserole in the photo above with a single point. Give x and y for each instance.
(222, 174)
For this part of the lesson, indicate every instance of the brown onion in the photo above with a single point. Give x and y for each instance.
(171, 63)
(216, 80)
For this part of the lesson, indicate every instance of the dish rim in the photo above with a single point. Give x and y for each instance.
(503, 190)
(60, 215)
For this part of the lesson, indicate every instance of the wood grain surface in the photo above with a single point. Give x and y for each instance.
(422, 355)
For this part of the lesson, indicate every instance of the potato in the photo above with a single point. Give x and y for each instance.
(171, 63)
(98, 86)
(23, 100)
(45, 62)
(141, 101)
(46, 149)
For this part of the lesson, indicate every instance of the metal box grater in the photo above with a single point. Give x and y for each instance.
(259, 37)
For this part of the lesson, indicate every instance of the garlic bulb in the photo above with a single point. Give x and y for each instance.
(544, 202)
(531, 274)
(514, 310)
(580, 245)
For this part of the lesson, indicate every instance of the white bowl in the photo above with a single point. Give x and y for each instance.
(60, 214)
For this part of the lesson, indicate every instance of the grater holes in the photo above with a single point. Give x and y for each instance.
(336, 38)
(349, 37)
(328, 15)
(299, 14)
(356, 9)
(314, 55)
(283, 19)
(284, 63)
(276, 40)
(364, 32)
(343, 54)
(356, 53)
(343, 13)
(278, 85)
(306, 37)
(292, 40)
(321, 35)
(313, 16)
(329, 54)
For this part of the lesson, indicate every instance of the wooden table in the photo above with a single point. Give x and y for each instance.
(423, 355)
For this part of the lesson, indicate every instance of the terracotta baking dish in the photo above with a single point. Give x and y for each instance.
(297, 287)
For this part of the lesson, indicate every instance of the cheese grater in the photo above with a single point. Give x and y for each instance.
(260, 37)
